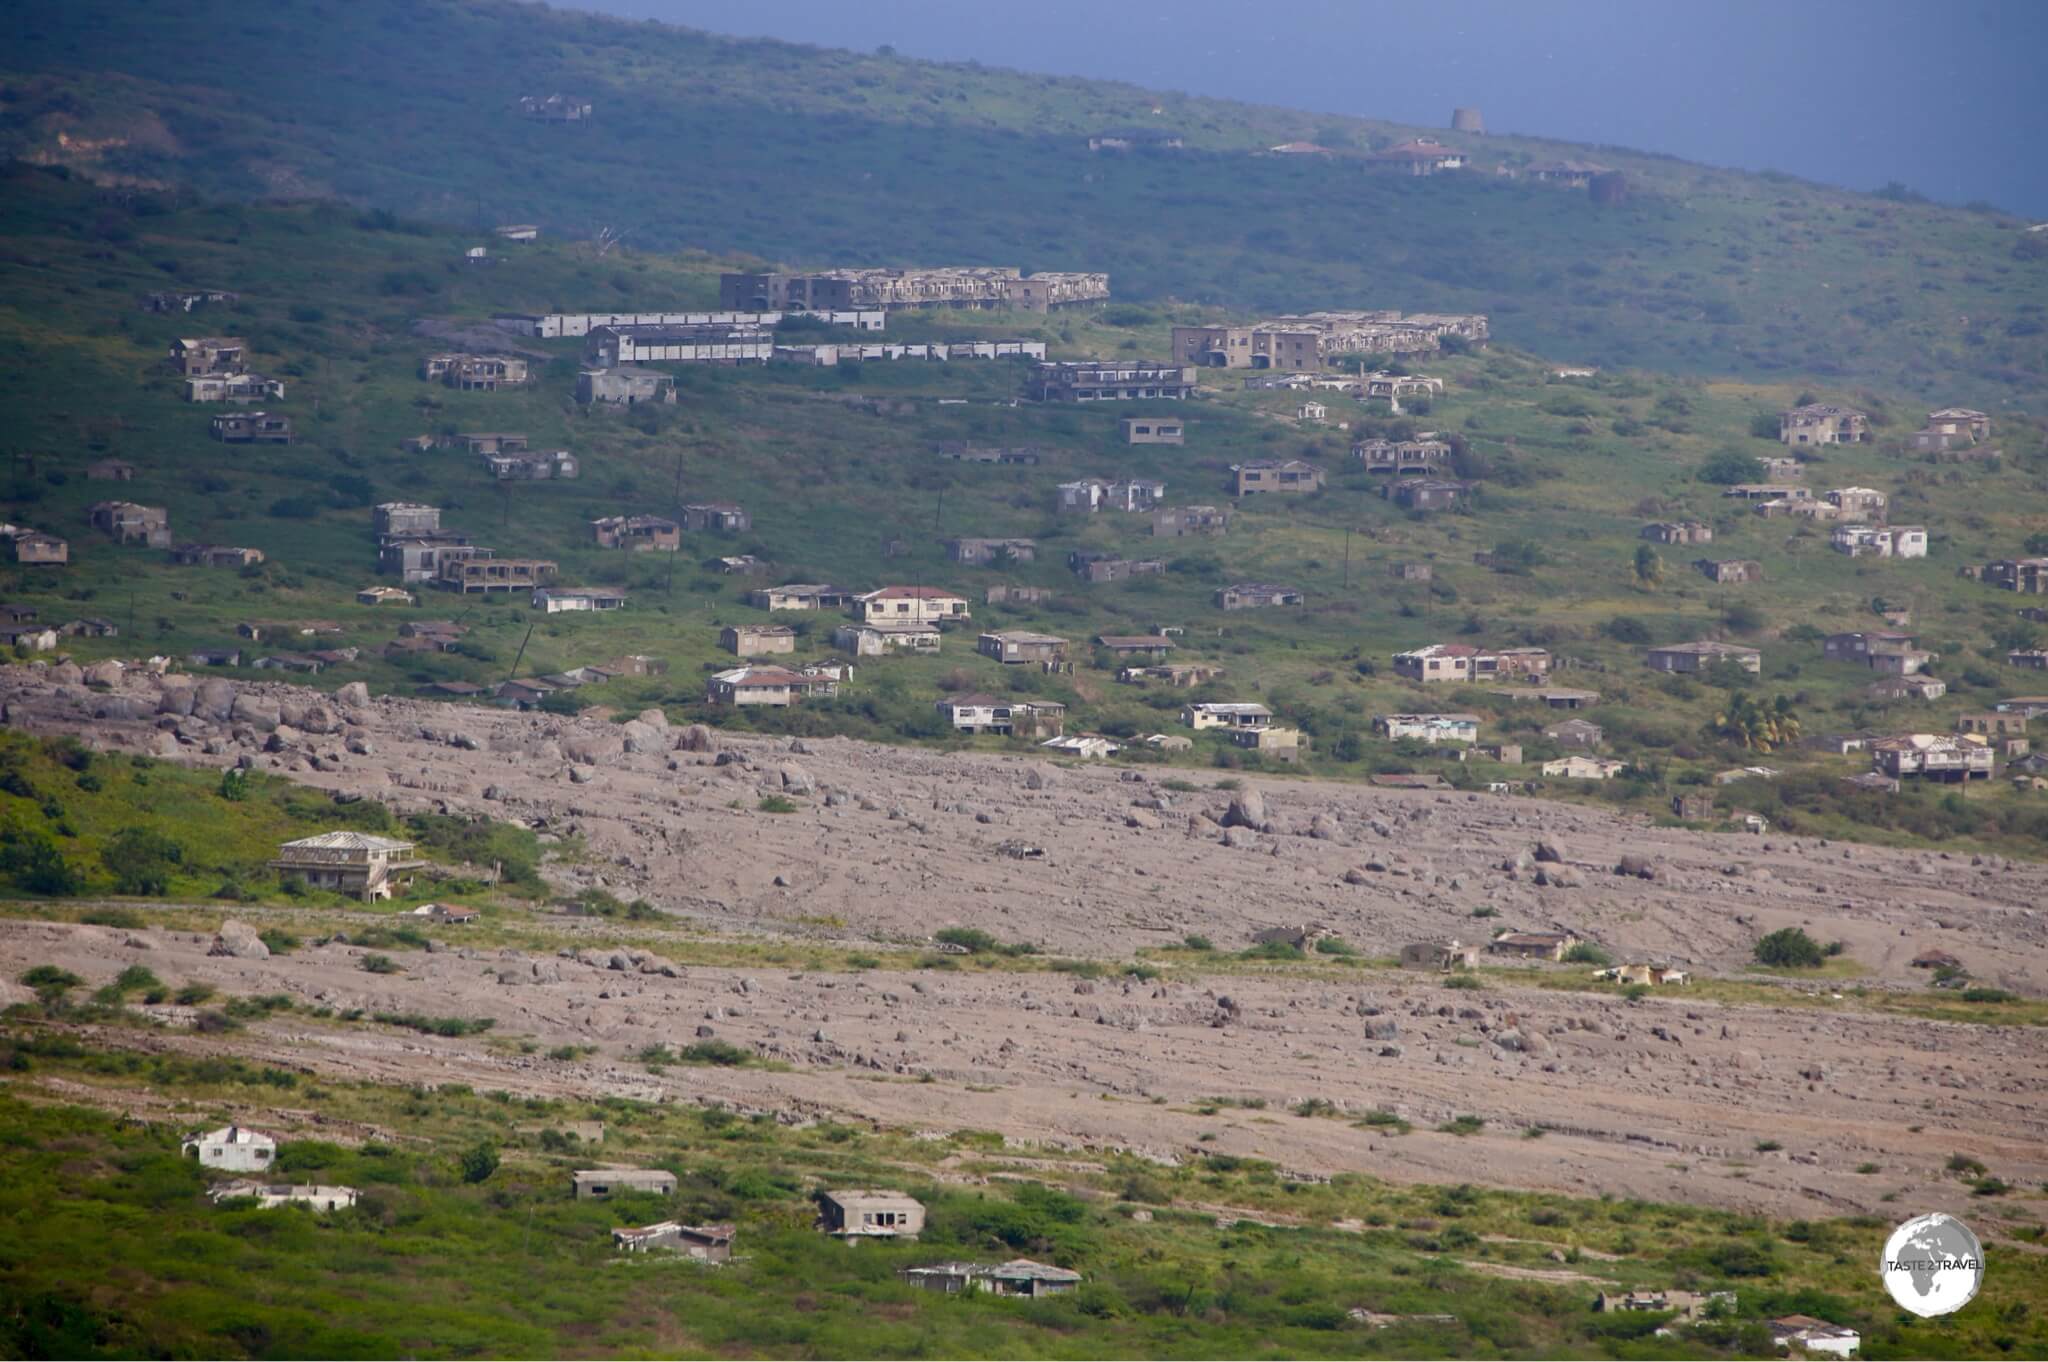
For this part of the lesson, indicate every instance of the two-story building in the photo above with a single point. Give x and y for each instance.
(1429, 728)
(1823, 423)
(359, 864)
(910, 605)
(1276, 475)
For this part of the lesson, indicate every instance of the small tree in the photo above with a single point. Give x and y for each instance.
(142, 861)
(1649, 566)
(479, 1161)
(1790, 948)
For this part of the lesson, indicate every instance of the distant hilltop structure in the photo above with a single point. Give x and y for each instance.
(968, 286)
(1468, 119)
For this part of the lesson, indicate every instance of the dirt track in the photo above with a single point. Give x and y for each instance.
(1661, 1098)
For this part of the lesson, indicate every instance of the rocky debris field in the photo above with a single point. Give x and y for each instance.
(1665, 1098)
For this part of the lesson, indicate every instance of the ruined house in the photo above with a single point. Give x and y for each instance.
(358, 864)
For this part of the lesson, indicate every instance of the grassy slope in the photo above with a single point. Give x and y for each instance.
(329, 305)
(820, 156)
(111, 1250)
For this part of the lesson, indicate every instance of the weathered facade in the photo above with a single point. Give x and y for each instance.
(358, 864)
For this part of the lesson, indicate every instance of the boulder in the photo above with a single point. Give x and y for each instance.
(238, 939)
(591, 749)
(1239, 837)
(214, 698)
(1642, 867)
(164, 745)
(654, 718)
(635, 736)
(355, 695)
(1247, 810)
(261, 715)
(66, 674)
(1323, 828)
(731, 757)
(695, 738)
(1550, 851)
(582, 775)
(176, 700)
(105, 675)
(797, 780)
(1139, 818)
(123, 707)
(1041, 777)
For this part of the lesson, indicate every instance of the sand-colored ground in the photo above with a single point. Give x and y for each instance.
(1666, 1098)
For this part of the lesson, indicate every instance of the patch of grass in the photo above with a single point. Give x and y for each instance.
(379, 964)
(776, 803)
(1463, 1125)
(1385, 1120)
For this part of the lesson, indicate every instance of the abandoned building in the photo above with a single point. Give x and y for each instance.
(1533, 945)
(241, 389)
(124, 522)
(405, 517)
(1020, 1278)
(625, 385)
(801, 596)
(1417, 156)
(637, 532)
(972, 286)
(215, 555)
(1729, 570)
(358, 864)
(1086, 496)
(1576, 733)
(555, 108)
(475, 373)
(30, 548)
(1012, 646)
(269, 1196)
(1256, 596)
(1858, 503)
(1427, 728)
(420, 557)
(1932, 756)
(1879, 541)
(910, 605)
(480, 576)
(536, 467)
(598, 1184)
(716, 517)
(723, 343)
(878, 638)
(1427, 494)
(1152, 647)
(987, 552)
(704, 1243)
(1276, 475)
(1231, 714)
(209, 355)
(1703, 656)
(1823, 423)
(234, 1148)
(960, 451)
(252, 428)
(1153, 430)
(491, 442)
(2028, 576)
(857, 1214)
(1463, 662)
(757, 640)
(979, 713)
(1421, 456)
(559, 600)
(1108, 381)
(1182, 521)
(1678, 532)
(1442, 956)
(1276, 744)
(385, 595)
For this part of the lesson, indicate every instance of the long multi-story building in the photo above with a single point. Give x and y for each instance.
(1096, 380)
(552, 325)
(1308, 341)
(960, 286)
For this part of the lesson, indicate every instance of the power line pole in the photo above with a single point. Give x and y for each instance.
(1347, 557)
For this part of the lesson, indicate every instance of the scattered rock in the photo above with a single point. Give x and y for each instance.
(797, 780)
(695, 738)
(1247, 810)
(238, 939)
(355, 695)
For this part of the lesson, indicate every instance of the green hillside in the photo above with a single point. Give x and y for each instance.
(835, 463)
(814, 156)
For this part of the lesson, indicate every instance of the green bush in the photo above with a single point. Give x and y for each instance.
(479, 1161)
(379, 964)
(1790, 948)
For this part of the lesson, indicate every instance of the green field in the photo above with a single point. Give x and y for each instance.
(111, 1249)
(793, 153)
(833, 463)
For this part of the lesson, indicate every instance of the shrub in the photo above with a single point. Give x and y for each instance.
(1790, 948)
(1198, 943)
(1463, 1125)
(379, 964)
(1462, 981)
(1988, 995)
(142, 861)
(717, 1052)
(479, 1161)
(776, 803)
(50, 982)
(1586, 953)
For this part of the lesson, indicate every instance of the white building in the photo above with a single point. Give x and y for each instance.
(1236, 714)
(1429, 728)
(270, 1195)
(235, 1148)
(1815, 1336)
(1880, 541)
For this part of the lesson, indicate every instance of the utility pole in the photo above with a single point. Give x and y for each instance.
(1347, 557)
(519, 656)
